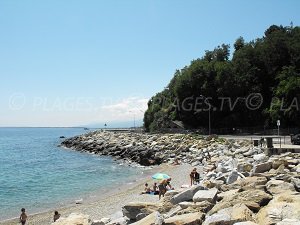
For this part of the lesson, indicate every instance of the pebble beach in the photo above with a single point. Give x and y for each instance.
(110, 204)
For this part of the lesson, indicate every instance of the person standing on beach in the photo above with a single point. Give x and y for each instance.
(23, 217)
(192, 176)
(162, 187)
(195, 177)
(56, 216)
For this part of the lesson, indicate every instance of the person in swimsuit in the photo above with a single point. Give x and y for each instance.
(196, 177)
(192, 176)
(147, 189)
(155, 189)
(162, 187)
(23, 217)
(56, 216)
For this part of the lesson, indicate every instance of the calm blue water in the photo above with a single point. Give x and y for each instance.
(38, 175)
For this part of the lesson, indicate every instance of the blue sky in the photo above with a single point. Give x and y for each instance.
(71, 62)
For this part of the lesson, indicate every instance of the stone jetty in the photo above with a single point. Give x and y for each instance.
(154, 149)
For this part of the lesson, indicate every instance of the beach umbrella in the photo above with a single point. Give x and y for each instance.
(160, 176)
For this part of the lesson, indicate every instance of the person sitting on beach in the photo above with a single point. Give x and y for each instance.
(155, 189)
(163, 187)
(23, 217)
(147, 189)
(56, 216)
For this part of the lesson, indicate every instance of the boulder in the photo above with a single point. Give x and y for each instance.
(244, 167)
(185, 219)
(132, 209)
(203, 206)
(153, 219)
(98, 222)
(215, 183)
(141, 216)
(279, 186)
(262, 167)
(253, 199)
(296, 183)
(260, 157)
(186, 195)
(228, 216)
(166, 204)
(225, 194)
(284, 207)
(206, 195)
(277, 163)
(74, 219)
(252, 181)
(240, 212)
(296, 169)
(245, 223)
(173, 212)
(103, 221)
(222, 217)
(171, 193)
(289, 222)
(233, 176)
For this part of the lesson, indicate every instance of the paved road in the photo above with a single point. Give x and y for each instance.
(276, 140)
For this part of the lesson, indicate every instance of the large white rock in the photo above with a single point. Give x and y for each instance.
(259, 157)
(186, 195)
(206, 195)
(233, 177)
(283, 208)
(119, 221)
(244, 167)
(289, 222)
(153, 219)
(185, 219)
(245, 223)
(103, 221)
(296, 183)
(262, 167)
(237, 213)
(218, 218)
(279, 186)
(132, 209)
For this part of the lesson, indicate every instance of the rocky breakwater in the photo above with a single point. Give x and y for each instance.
(154, 149)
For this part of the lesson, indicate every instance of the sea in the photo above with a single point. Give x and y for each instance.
(38, 175)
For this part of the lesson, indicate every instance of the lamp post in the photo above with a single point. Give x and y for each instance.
(209, 116)
(133, 119)
(209, 124)
(134, 112)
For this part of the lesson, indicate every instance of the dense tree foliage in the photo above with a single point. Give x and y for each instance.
(257, 86)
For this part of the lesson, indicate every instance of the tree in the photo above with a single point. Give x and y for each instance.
(269, 66)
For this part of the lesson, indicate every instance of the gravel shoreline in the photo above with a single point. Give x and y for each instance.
(110, 204)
